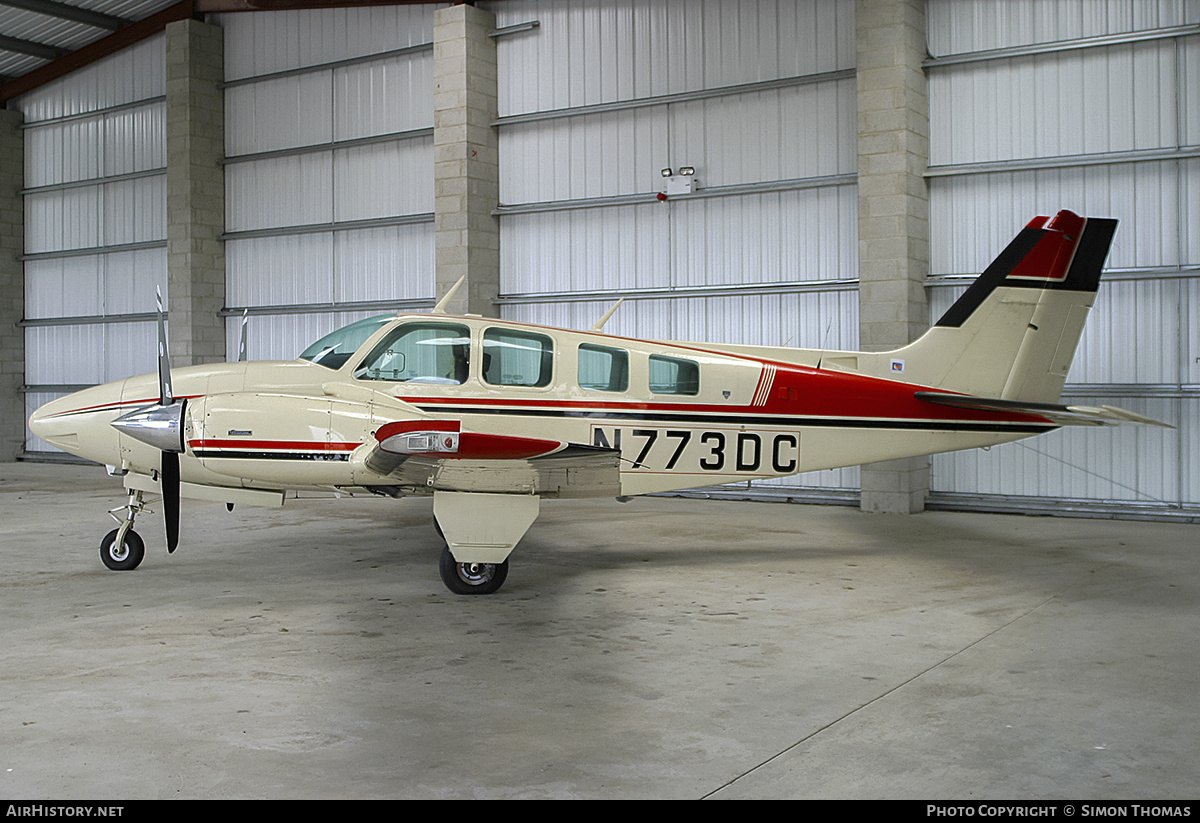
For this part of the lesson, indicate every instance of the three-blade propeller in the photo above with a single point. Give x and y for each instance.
(161, 426)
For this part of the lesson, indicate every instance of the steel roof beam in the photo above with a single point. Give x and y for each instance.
(29, 47)
(50, 8)
(110, 44)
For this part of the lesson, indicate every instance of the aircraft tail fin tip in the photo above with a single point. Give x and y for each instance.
(1062, 252)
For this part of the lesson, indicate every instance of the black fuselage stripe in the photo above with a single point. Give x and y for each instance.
(772, 420)
(265, 455)
(668, 417)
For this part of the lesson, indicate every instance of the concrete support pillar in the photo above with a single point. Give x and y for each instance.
(466, 158)
(893, 211)
(195, 191)
(12, 286)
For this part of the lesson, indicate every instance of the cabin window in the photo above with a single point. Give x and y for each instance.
(437, 353)
(672, 375)
(602, 368)
(517, 358)
(333, 350)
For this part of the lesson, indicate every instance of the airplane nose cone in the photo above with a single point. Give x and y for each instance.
(78, 423)
(54, 424)
(37, 422)
(36, 419)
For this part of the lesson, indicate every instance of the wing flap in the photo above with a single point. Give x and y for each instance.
(435, 455)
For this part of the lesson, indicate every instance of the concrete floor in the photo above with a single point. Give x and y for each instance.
(665, 648)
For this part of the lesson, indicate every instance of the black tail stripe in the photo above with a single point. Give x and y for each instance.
(1084, 274)
(992, 277)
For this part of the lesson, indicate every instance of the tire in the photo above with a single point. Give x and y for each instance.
(122, 558)
(471, 578)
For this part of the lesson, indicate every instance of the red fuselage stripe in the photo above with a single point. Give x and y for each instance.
(120, 404)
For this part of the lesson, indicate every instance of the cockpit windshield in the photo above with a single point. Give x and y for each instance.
(335, 348)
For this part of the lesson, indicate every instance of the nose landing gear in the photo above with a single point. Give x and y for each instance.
(122, 549)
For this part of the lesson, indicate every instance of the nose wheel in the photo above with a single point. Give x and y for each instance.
(122, 552)
(471, 578)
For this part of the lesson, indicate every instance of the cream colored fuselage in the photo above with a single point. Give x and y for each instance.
(755, 413)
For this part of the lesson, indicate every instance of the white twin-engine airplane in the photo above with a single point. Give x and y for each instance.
(490, 416)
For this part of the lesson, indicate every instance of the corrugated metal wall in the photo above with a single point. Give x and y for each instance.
(758, 97)
(329, 170)
(1095, 107)
(95, 223)
(1035, 105)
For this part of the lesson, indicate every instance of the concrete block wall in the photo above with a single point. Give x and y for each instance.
(466, 158)
(12, 285)
(893, 211)
(195, 191)
(893, 152)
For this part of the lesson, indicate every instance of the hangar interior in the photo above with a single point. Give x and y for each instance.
(854, 165)
(850, 168)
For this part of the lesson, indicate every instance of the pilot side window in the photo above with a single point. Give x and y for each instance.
(437, 353)
(602, 368)
(517, 358)
(673, 375)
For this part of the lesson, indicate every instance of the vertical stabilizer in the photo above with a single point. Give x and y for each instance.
(1013, 333)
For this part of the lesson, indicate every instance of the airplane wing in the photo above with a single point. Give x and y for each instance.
(437, 455)
(1060, 414)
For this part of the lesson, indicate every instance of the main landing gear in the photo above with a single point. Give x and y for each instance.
(122, 549)
(480, 529)
(469, 578)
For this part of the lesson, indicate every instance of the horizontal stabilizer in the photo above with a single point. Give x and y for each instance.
(1062, 415)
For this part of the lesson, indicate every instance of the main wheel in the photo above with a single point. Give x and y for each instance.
(125, 557)
(471, 578)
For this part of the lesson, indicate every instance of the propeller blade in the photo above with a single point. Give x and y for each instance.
(169, 459)
(169, 477)
(165, 396)
(242, 341)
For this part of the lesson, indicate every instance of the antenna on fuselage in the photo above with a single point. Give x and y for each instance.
(599, 324)
(440, 308)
